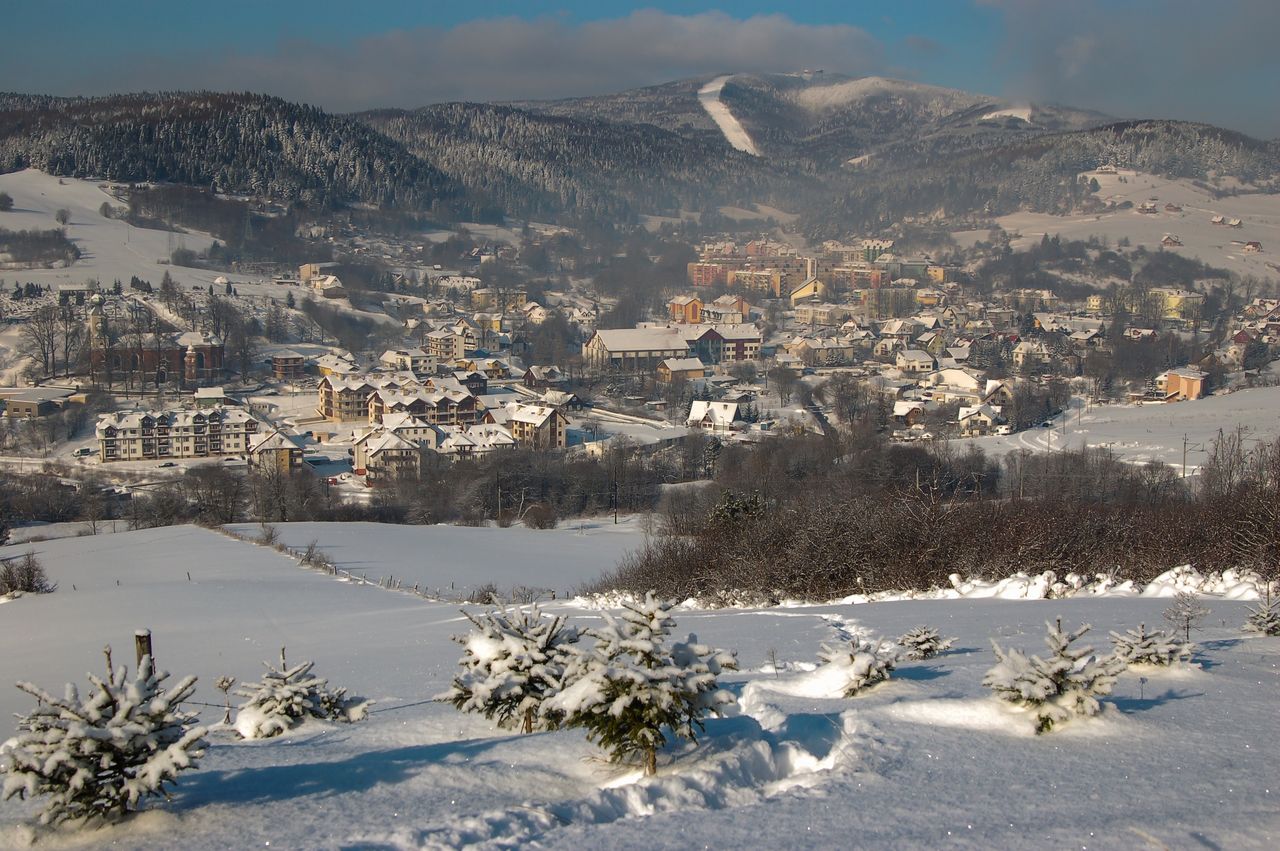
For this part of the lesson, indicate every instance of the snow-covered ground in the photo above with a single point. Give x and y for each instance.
(1219, 246)
(1178, 759)
(1152, 432)
(454, 559)
(734, 133)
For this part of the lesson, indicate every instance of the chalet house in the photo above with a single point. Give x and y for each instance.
(543, 377)
(343, 399)
(125, 436)
(680, 369)
(288, 365)
(979, 420)
(389, 457)
(275, 451)
(437, 407)
(1169, 240)
(907, 413)
(1029, 354)
(717, 417)
(539, 427)
(685, 308)
(475, 441)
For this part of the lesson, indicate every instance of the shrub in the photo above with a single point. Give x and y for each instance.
(861, 664)
(540, 516)
(24, 575)
(1139, 647)
(924, 642)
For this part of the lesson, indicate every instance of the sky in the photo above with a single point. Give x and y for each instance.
(1217, 62)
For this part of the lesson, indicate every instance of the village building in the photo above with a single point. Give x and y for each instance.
(539, 427)
(137, 436)
(275, 451)
(680, 369)
(288, 365)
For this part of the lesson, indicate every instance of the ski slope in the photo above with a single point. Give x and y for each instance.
(1178, 759)
(734, 133)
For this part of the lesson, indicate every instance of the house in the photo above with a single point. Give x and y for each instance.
(539, 427)
(389, 457)
(1170, 240)
(1252, 247)
(499, 300)
(542, 377)
(475, 441)
(327, 286)
(287, 365)
(908, 413)
(914, 361)
(414, 360)
(685, 308)
(1029, 354)
(1181, 384)
(343, 399)
(718, 417)
(210, 397)
(680, 369)
(979, 420)
(275, 451)
(336, 365)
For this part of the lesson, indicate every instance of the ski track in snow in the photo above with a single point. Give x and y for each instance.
(734, 133)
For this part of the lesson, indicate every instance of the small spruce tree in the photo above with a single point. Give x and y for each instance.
(1139, 647)
(1264, 618)
(631, 688)
(924, 642)
(1065, 684)
(1185, 613)
(289, 695)
(863, 662)
(102, 754)
(512, 662)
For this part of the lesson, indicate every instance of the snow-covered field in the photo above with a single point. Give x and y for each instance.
(734, 133)
(1139, 433)
(455, 559)
(1217, 245)
(1179, 759)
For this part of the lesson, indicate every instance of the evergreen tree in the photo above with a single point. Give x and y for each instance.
(1185, 613)
(633, 688)
(101, 755)
(512, 663)
(862, 664)
(1139, 647)
(288, 696)
(1065, 684)
(924, 642)
(1264, 618)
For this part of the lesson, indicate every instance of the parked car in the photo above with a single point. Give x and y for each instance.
(83, 452)
(1004, 430)
(167, 464)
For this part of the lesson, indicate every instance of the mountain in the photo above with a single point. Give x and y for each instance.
(233, 143)
(547, 165)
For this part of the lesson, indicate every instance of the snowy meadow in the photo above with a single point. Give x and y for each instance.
(1176, 756)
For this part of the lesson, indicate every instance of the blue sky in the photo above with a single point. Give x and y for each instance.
(1134, 58)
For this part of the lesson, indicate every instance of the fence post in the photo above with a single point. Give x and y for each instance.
(142, 645)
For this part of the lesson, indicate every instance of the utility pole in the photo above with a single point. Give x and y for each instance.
(1184, 456)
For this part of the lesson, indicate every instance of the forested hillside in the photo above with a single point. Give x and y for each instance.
(233, 143)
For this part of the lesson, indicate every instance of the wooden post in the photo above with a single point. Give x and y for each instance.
(142, 644)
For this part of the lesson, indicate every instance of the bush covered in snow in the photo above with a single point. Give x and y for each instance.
(101, 755)
(289, 695)
(1264, 618)
(512, 662)
(1067, 683)
(631, 686)
(924, 642)
(863, 662)
(1139, 647)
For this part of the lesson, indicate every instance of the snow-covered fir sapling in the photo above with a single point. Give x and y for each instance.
(1185, 613)
(631, 688)
(1139, 647)
(1065, 684)
(512, 662)
(224, 684)
(289, 695)
(99, 756)
(924, 642)
(862, 662)
(1264, 618)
